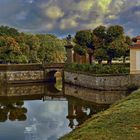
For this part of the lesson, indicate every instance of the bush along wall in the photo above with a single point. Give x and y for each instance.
(99, 68)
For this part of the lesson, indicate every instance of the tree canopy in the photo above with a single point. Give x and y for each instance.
(105, 43)
(16, 47)
(110, 42)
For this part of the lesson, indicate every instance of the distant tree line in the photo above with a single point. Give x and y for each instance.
(16, 47)
(103, 43)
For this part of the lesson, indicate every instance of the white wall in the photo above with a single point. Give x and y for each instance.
(137, 60)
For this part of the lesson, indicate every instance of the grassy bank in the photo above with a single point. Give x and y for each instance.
(120, 122)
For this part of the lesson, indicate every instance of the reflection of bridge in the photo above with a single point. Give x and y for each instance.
(31, 92)
(24, 73)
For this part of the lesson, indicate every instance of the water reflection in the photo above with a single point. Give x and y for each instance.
(40, 111)
(80, 110)
(12, 110)
(96, 96)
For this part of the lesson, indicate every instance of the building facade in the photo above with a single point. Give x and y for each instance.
(135, 56)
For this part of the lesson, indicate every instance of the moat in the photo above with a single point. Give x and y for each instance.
(48, 111)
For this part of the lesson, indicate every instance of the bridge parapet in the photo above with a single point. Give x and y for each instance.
(24, 73)
(53, 65)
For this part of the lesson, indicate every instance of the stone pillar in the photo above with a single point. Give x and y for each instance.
(69, 54)
(69, 49)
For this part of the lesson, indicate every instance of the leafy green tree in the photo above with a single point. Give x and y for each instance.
(114, 39)
(51, 48)
(100, 54)
(80, 50)
(100, 32)
(10, 50)
(84, 39)
(7, 31)
(122, 44)
(110, 42)
(32, 46)
(99, 41)
(114, 32)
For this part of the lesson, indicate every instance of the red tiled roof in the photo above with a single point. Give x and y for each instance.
(135, 46)
(138, 37)
(138, 42)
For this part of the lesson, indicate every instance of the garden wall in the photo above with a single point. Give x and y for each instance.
(102, 82)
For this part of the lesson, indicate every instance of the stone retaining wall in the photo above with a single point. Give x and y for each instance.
(103, 82)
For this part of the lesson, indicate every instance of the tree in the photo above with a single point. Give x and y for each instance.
(7, 31)
(100, 32)
(114, 32)
(110, 42)
(80, 50)
(10, 50)
(100, 55)
(84, 39)
(122, 46)
(51, 49)
(99, 38)
(114, 39)
(33, 44)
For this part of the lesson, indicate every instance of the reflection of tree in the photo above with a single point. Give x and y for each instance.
(80, 111)
(12, 110)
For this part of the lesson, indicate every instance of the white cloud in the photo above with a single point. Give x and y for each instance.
(83, 6)
(112, 17)
(49, 26)
(68, 23)
(104, 4)
(53, 12)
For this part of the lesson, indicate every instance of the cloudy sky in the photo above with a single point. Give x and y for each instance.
(62, 17)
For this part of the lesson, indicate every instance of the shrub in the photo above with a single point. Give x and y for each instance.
(98, 68)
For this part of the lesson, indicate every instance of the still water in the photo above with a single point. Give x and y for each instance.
(45, 112)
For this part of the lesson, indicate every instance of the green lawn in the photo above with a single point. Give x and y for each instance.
(120, 122)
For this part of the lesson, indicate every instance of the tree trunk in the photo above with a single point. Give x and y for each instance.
(99, 61)
(123, 59)
(109, 61)
(90, 58)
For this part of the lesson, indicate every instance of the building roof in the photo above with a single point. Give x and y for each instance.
(136, 44)
(138, 37)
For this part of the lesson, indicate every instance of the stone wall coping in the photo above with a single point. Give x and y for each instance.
(96, 75)
(30, 67)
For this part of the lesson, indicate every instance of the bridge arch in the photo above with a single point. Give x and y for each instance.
(53, 75)
(50, 76)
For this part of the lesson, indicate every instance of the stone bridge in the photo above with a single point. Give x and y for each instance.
(28, 73)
